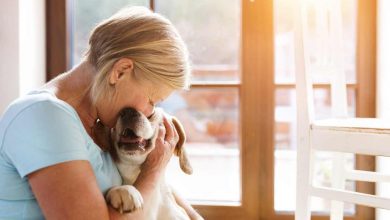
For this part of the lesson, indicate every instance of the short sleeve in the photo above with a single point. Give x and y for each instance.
(42, 135)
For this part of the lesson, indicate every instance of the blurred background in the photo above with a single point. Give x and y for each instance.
(40, 39)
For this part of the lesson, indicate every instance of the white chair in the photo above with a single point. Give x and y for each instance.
(339, 134)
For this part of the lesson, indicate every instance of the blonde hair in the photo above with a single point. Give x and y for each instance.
(150, 40)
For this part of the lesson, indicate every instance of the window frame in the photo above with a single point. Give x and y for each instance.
(257, 142)
(57, 38)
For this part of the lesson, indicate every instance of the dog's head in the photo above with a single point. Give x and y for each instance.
(134, 137)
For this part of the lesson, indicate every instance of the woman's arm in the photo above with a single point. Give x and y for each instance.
(68, 191)
(154, 166)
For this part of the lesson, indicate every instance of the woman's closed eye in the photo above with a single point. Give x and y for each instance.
(152, 103)
(151, 115)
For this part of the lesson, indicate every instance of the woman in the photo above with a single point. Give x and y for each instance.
(50, 166)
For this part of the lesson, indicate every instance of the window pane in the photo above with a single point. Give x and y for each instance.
(210, 118)
(284, 41)
(286, 144)
(211, 30)
(86, 14)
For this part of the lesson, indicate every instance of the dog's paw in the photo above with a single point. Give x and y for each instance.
(125, 198)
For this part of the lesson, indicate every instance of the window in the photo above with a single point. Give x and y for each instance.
(240, 109)
(84, 15)
(209, 114)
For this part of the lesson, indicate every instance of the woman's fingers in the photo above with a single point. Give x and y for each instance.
(171, 135)
(161, 132)
(169, 129)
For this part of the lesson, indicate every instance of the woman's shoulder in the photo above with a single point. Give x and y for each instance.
(36, 104)
(38, 130)
(36, 110)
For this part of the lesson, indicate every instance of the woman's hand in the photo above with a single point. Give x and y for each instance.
(166, 141)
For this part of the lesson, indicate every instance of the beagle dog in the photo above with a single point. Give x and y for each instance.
(129, 143)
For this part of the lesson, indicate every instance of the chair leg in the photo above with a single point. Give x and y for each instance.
(302, 211)
(304, 171)
(336, 210)
(338, 182)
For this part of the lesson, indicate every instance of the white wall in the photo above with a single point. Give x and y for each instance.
(9, 53)
(32, 48)
(383, 89)
(22, 43)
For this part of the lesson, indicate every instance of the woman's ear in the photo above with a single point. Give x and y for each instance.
(120, 68)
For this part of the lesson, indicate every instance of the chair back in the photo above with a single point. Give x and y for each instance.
(319, 55)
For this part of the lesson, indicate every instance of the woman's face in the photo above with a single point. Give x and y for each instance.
(141, 95)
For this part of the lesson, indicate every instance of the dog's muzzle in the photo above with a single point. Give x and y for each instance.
(129, 141)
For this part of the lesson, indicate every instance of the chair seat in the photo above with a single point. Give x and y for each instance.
(360, 125)
(369, 136)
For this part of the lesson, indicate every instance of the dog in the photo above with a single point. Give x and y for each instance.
(129, 143)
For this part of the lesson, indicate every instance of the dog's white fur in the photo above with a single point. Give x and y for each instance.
(126, 197)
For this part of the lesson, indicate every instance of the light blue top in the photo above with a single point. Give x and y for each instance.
(36, 131)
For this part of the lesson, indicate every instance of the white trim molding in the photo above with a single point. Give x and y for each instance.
(383, 89)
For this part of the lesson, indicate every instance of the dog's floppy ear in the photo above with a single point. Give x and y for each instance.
(103, 138)
(179, 149)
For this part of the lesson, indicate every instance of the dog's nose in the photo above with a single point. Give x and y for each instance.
(129, 113)
(128, 133)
